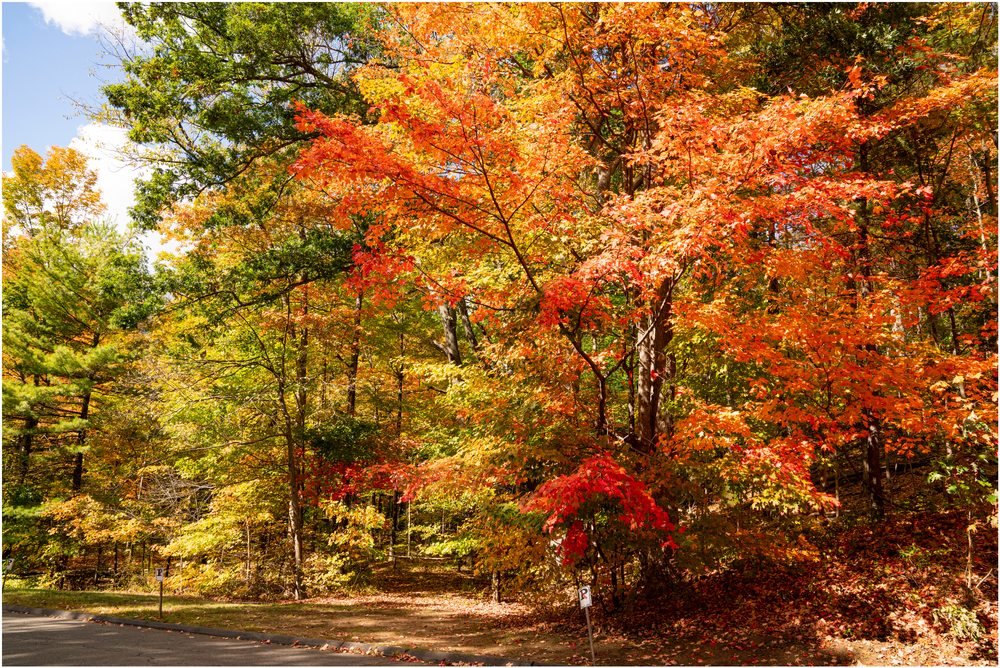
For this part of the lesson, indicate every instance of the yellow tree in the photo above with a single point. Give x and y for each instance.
(57, 192)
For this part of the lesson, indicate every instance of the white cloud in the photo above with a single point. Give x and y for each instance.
(107, 147)
(78, 18)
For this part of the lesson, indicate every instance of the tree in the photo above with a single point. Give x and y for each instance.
(59, 192)
(677, 202)
(188, 94)
(71, 288)
(254, 289)
(927, 100)
(490, 177)
(64, 300)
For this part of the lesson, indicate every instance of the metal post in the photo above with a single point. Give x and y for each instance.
(590, 634)
(587, 600)
(160, 576)
(3, 576)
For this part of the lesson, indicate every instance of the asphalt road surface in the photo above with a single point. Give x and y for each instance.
(43, 641)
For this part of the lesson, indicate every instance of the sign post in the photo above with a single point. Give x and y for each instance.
(159, 578)
(586, 600)
(10, 567)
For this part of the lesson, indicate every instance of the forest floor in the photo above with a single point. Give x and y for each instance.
(885, 595)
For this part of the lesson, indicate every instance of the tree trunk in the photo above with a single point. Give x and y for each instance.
(836, 488)
(293, 424)
(82, 434)
(352, 366)
(874, 445)
(295, 521)
(982, 159)
(872, 469)
(979, 213)
(81, 441)
(24, 442)
(301, 405)
(447, 315)
(393, 526)
(653, 367)
(495, 586)
(248, 552)
(399, 402)
(470, 333)
(294, 511)
(77, 472)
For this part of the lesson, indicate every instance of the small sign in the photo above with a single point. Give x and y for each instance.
(10, 564)
(585, 599)
(159, 575)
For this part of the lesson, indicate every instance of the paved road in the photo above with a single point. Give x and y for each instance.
(43, 641)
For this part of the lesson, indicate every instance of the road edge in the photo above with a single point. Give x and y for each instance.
(430, 656)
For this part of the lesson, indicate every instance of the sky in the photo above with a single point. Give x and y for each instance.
(51, 56)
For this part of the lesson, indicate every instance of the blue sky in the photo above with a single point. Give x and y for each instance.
(50, 55)
(41, 66)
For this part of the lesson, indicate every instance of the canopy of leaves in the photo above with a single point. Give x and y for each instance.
(212, 84)
(638, 285)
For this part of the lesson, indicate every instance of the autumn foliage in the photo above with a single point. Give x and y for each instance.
(615, 294)
(627, 196)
